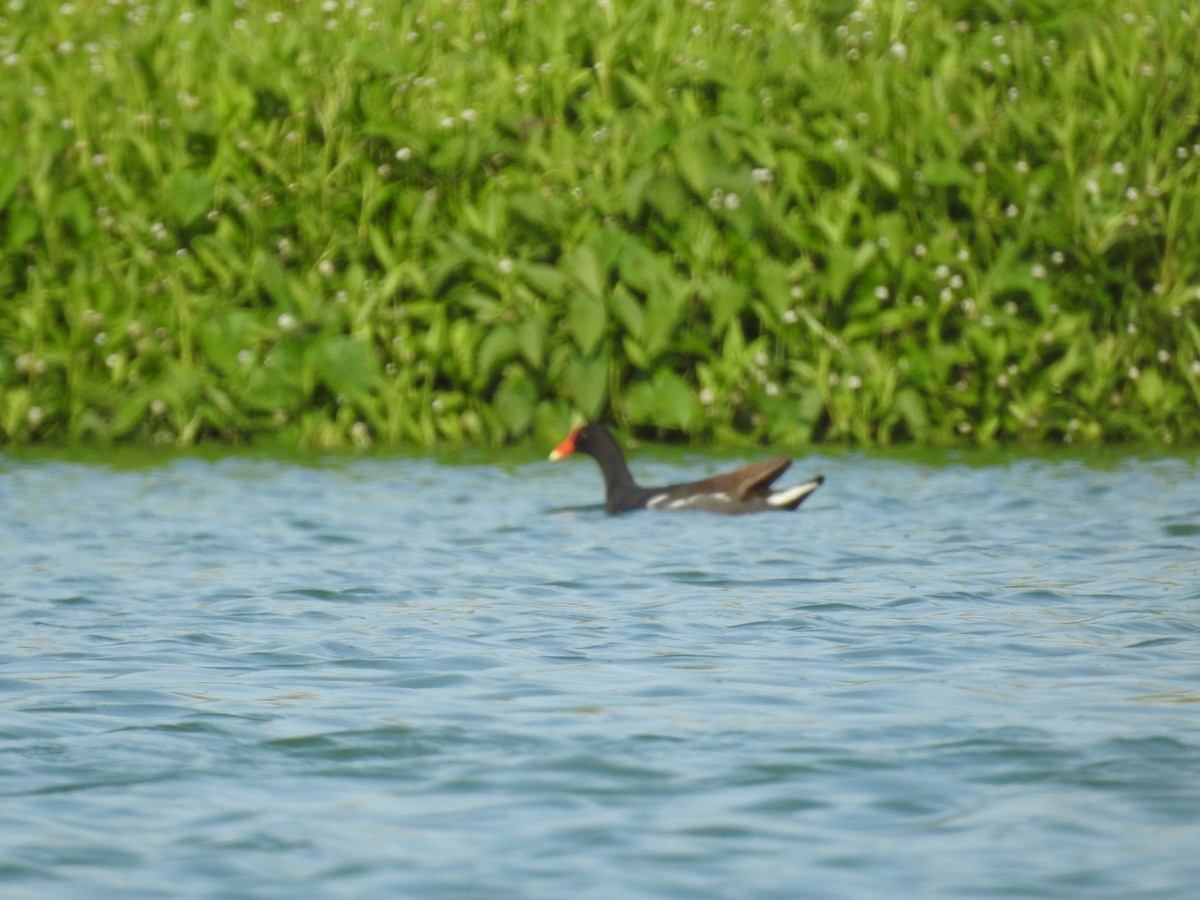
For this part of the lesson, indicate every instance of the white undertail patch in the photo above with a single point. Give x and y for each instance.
(793, 495)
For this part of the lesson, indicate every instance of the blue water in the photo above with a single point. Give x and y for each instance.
(394, 677)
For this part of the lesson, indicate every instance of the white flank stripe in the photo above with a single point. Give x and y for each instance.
(697, 500)
(661, 501)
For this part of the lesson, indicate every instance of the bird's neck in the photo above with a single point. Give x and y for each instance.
(618, 482)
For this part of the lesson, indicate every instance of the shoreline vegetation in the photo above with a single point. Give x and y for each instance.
(333, 224)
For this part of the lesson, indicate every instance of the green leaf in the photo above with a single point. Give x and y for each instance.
(586, 319)
(643, 269)
(636, 186)
(628, 312)
(636, 354)
(693, 159)
(532, 336)
(840, 264)
(499, 346)
(665, 401)
(538, 210)
(666, 294)
(664, 309)
(583, 263)
(809, 410)
(220, 259)
(864, 256)
(268, 390)
(273, 279)
(75, 207)
(130, 412)
(726, 299)
(190, 194)
(638, 90)
(947, 173)
(547, 281)
(1061, 371)
(898, 231)
(23, 223)
(222, 339)
(1150, 389)
(12, 170)
(587, 381)
(464, 348)
(514, 402)
(771, 278)
(885, 173)
(669, 198)
(912, 412)
(346, 367)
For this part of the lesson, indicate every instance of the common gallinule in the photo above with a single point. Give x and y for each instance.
(743, 490)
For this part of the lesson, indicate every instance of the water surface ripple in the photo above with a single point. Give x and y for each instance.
(397, 677)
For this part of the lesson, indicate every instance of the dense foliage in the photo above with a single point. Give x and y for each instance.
(470, 220)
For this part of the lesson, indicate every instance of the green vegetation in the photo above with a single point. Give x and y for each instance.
(468, 220)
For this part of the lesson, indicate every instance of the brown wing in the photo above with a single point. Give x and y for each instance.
(741, 483)
(757, 476)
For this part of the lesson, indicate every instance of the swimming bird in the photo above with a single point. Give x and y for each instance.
(743, 490)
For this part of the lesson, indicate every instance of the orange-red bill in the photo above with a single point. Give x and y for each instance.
(567, 447)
